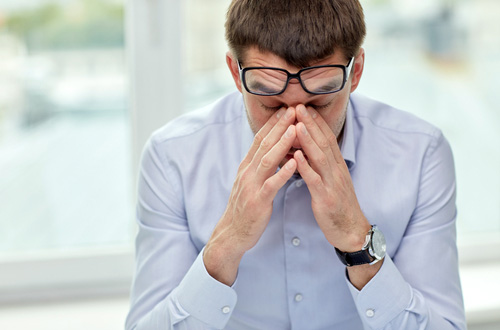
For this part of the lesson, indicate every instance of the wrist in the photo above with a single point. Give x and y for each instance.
(356, 240)
(222, 260)
(372, 251)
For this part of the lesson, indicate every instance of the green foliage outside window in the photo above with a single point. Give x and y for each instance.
(79, 24)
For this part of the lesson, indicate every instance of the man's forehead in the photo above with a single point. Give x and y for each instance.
(254, 53)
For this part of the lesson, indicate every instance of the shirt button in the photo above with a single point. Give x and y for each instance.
(298, 184)
(370, 313)
(296, 241)
(226, 309)
(298, 297)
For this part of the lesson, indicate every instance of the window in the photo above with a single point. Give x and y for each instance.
(440, 60)
(206, 72)
(65, 156)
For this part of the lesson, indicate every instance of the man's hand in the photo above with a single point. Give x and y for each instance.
(250, 203)
(333, 200)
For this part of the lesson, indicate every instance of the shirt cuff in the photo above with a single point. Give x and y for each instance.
(383, 298)
(205, 298)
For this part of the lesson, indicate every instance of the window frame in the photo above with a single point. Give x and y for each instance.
(50, 275)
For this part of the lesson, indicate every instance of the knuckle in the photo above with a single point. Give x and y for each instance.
(267, 188)
(258, 138)
(265, 143)
(324, 144)
(332, 140)
(322, 160)
(316, 181)
(265, 162)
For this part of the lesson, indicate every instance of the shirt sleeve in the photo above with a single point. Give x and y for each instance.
(171, 288)
(419, 287)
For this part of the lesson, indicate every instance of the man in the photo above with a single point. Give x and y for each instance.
(293, 204)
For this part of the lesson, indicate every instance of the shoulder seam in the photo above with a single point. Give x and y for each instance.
(434, 133)
(195, 130)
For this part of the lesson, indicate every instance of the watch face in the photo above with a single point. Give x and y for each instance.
(378, 246)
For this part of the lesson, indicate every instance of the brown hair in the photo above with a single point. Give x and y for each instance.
(299, 31)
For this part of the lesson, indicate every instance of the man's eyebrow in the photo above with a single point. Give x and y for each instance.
(262, 87)
(326, 88)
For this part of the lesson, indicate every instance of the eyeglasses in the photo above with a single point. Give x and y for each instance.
(322, 79)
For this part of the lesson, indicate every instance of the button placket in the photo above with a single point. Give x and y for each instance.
(296, 212)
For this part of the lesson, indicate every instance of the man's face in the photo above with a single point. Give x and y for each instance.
(332, 107)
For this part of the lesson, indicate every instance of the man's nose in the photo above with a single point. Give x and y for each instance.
(294, 94)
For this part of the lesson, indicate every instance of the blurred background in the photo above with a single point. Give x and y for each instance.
(84, 82)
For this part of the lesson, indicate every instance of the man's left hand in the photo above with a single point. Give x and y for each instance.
(334, 202)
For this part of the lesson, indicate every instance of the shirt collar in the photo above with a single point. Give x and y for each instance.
(346, 145)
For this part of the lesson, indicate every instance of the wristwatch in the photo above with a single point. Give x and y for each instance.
(372, 252)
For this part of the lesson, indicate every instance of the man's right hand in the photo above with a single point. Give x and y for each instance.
(251, 201)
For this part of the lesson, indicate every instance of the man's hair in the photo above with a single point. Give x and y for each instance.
(299, 31)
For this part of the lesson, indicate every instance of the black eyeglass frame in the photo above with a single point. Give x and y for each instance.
(345, 68)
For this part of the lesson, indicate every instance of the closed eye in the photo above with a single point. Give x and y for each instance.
(314, 106)
(265, 107)
(320, 107)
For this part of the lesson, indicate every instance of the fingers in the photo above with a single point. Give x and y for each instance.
(312, 179)
(322, 135)
(274, 183)
(270, 161)
(330, 136)
(314, 141)
(275, 134)
(321, 161)
(261, 134)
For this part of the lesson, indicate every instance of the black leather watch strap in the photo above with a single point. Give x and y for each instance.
(354, 258)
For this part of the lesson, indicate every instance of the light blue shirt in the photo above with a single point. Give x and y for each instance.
(403, 173)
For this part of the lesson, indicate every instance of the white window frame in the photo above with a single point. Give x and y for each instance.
(60, 275)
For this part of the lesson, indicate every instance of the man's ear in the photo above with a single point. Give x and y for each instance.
(358, 69)
(232, 64)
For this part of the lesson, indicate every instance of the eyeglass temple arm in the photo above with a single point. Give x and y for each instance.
(348, 68)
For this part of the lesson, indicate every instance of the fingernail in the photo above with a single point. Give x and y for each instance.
(303, 111)
(289, 131)
(279, 113)
(301, 156)
(289, 165)
(304, 129)
(313, 114)
(288, 113)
